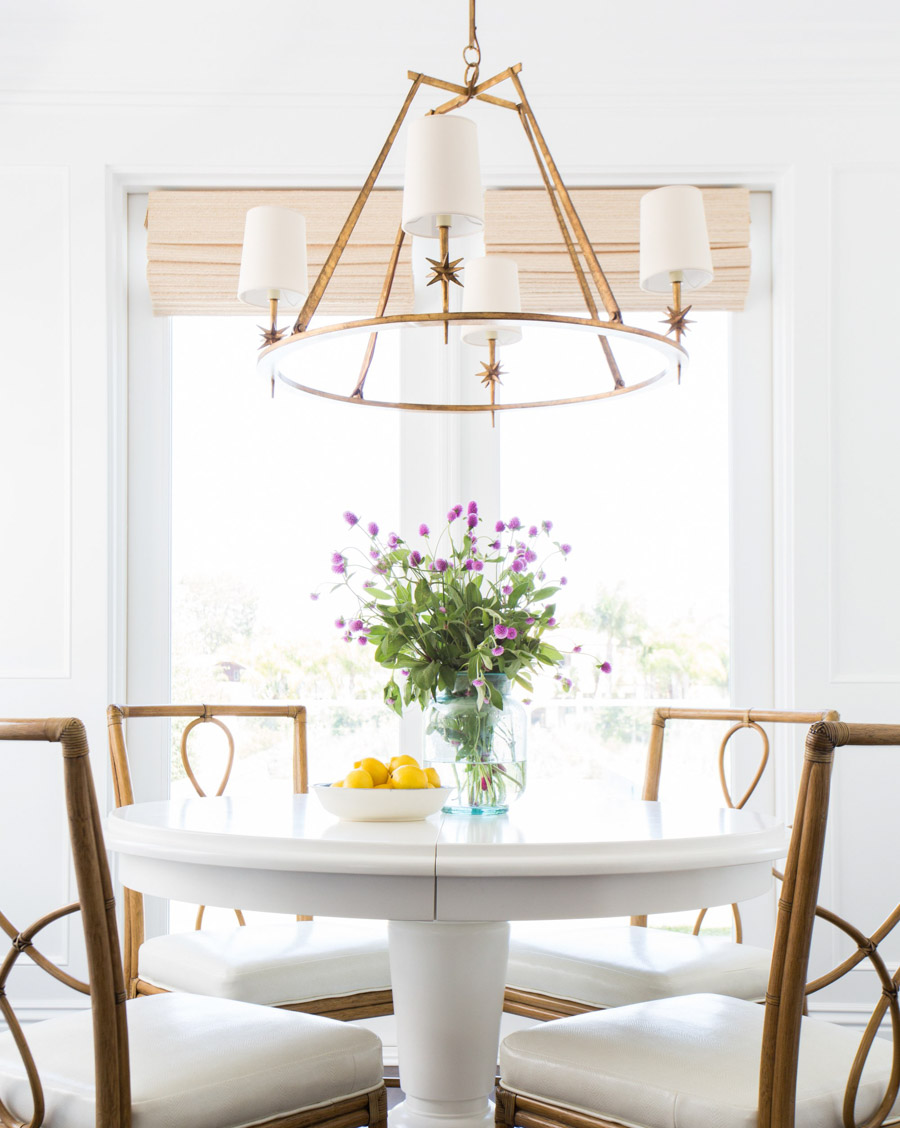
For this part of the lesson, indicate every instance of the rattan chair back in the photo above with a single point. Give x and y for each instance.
(740, 720)
(98, 914)
(197, 715)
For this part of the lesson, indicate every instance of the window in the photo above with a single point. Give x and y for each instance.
(252, 495)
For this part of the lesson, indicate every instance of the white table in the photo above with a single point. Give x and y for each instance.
(448, 886)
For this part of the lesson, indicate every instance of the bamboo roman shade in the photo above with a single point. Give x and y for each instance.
(194, 247)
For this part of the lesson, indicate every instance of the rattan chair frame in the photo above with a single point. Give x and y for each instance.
(366, 1004)
(532, 1004)
(787, 990)
(106, 987)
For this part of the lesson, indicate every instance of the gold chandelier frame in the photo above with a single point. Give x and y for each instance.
(276, 346)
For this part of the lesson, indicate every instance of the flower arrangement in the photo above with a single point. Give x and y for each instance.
(462, 601)
(463, 613)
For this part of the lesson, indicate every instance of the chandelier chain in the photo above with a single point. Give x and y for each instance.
(471, 53)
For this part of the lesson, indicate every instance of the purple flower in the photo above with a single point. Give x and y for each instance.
(529, 620)
(374, 553)
(567, 684)
(546, 526)
(455, 512)
(576, 649)
(483, 784)
(338, 569)
(424, 530)
(500, 526)
(511, 548)
(518, 565)
(313, 595)
(511, 632)
(348, 637)
(551, 622)
(542, 575)
(515, 523)
(366, 630)
(368, 583)
(405, 673)
(507, 589)
(442, 610)
(372, 528)
(497, 651)
(391, 700)
(440, 565)
(415, 557)
(478, 681)
(533, 531)
(565, 549)
(494, 545)
(337, 558)
(479, 564)
(500, 631)
(340, 624)
(469, 564)
(362, 640)
(605, 667)
(356, 625)
(351, 518)
(562, 581)
(473, 507)
(472, 520)
(530, 555)
(526, 700)
(393, 540)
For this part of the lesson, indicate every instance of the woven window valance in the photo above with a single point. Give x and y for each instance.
(194, 247)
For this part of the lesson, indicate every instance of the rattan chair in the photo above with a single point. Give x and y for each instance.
(174, 1058)
(337, 968)
(579, 966)
(709, 1060)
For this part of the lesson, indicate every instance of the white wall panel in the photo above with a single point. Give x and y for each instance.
(35, 487)
(865, 406)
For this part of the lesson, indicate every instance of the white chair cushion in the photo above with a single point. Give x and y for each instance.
(207, 1063)
(616, 965)
(273, 964)
(690, 1062)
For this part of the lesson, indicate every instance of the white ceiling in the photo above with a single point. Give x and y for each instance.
(573, 48)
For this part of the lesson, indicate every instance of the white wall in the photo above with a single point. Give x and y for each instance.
(99, 95)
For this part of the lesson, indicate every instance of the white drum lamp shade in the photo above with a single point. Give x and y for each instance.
(674, 239)
(492, 286)
(443, 177)
(273, 258)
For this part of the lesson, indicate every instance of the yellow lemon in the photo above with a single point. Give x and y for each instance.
(408, 777)
(358, 777)
(338, 783)
(375, 768)
(384, 786)
(399, 761)
(433, 778)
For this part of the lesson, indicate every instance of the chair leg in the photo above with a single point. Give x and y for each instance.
(378, 1108)
(505, 1108)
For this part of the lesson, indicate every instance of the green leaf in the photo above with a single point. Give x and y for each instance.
(543, 593)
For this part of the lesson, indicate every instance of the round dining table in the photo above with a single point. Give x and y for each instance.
(448, 885)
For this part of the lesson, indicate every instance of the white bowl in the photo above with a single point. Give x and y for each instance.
(366, 804)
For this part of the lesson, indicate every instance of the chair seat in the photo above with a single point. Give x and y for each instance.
(207, 1063)
(273, 964)
(614, 966)
(691, 1062)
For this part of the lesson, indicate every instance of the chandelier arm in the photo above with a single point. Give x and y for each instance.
(334, 255)
(587, 249)
(382, 306)
(497, 78)
(437, 83)
(461, 100)
(570, 247)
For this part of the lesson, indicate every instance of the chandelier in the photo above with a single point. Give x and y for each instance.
(443, 201)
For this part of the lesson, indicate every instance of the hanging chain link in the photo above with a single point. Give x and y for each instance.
(471, 53)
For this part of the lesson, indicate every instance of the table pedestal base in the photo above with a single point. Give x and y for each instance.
(447, 981)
